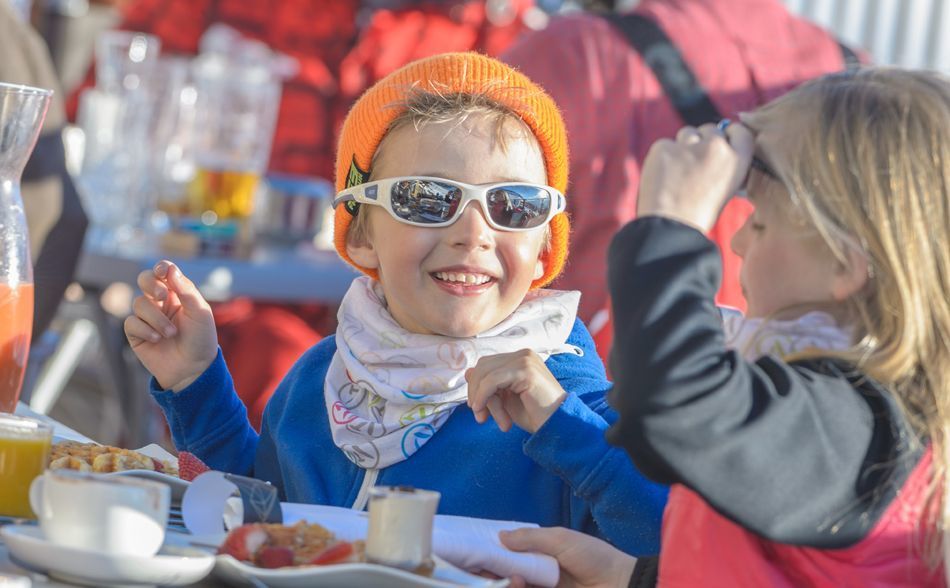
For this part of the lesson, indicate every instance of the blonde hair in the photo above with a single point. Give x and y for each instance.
(423, 108)
(872, 171)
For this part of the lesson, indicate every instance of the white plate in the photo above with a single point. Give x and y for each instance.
(177, 485)
(354, 575)
(173, 566)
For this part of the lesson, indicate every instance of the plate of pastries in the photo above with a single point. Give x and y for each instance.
(106, 459)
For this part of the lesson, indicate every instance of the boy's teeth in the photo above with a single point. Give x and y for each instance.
(474, 279)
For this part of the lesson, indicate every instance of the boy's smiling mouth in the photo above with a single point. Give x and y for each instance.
(463, 281)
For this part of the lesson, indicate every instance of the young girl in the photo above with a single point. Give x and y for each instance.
(451, 172)
(820, 457)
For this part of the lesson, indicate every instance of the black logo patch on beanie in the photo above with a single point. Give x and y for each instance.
(354, 177)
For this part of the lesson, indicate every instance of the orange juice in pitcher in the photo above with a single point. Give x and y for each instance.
(16, 324)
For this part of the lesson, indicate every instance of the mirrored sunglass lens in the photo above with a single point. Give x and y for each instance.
(519, 207)
(425, 201)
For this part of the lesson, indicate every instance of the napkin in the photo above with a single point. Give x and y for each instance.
(465, 542)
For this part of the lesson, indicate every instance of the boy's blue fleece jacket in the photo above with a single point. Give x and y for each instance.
(564, 475)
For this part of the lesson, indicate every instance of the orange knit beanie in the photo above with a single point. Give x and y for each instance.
(369, 120)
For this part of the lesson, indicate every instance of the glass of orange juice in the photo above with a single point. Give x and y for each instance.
(24, 453)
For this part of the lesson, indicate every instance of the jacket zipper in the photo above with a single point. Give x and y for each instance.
(362, 497)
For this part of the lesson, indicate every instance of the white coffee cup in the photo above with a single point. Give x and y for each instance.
(112, 514)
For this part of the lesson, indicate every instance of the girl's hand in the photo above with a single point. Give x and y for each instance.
(585, 561)
(171, 328)
(690, 179)
(513, 387)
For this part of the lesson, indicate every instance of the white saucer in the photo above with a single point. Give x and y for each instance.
(172, 566)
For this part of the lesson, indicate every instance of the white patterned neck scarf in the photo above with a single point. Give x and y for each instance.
(388, 391)
(754, 337)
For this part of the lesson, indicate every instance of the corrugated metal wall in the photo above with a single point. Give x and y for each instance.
(909, 33)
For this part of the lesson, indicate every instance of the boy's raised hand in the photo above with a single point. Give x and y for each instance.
(171, 328)
(513, 387)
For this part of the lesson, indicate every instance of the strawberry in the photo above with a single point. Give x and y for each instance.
(275, 557)
(336, 553)
(157, 465)
(243, 542)
(190, 467)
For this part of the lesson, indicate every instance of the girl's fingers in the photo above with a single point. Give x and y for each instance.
(709, 130)
(151, 314)
(688, 135)
(547, 540)
(137, 332)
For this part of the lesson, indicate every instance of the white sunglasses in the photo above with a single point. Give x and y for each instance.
(437, 202)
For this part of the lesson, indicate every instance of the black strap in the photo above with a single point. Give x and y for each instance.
(680, 85)
(677, 79)
(645, 572)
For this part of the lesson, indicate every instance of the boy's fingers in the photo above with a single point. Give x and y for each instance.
(481, 416)
(472, 378)
(497, 409)
(479, 394)
(136, 331)
(148, 312)
(187, 292)
(161, 269)
(151, 286)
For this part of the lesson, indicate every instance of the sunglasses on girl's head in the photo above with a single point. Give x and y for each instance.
(436, 202)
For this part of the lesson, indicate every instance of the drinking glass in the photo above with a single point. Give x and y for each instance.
(116, 119)
(24, 451)
(125, 60)
(237, 104)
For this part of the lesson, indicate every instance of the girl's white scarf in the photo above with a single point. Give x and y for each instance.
(388, 391)
(754, 337)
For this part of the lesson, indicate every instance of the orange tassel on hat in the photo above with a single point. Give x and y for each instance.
(449, 73)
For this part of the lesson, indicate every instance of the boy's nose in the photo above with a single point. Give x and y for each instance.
(471, 230)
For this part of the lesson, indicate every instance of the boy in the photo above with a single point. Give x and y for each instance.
(451, 172)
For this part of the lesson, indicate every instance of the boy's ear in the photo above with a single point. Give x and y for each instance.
(539, 266)
(363, 253)
(850, 277)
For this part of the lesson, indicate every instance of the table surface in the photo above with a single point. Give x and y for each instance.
(269, 274)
